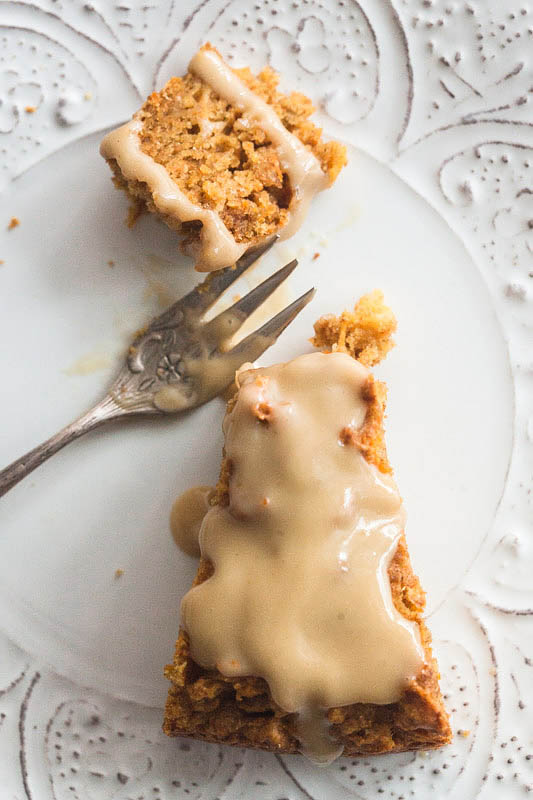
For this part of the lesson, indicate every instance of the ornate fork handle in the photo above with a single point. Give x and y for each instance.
(102, 412)
(179, 361)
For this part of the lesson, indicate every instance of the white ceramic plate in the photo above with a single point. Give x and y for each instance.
(434, 208)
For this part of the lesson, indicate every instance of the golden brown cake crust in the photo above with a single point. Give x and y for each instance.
(240, 711)
(222, 162)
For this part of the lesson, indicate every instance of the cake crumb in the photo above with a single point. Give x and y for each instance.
(2, 261)
(88, 96)
(134, 212)
(464, 733)
(110, 263)
(14, 222)
(364, 333)
(30, 109)
(119, 573)
(315, 256)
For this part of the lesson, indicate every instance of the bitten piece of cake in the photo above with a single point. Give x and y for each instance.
(223, 158)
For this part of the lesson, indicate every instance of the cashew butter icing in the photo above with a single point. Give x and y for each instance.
(218, 247)
(187, 516)
(300, 593)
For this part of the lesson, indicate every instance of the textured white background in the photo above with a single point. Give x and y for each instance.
(441, 92)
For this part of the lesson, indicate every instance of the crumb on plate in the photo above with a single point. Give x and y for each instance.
(365, 333)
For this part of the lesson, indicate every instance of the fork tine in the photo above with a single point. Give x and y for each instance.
(208, 292)
(255, 344)
(229, 321)
(217, 282)
(250, 348)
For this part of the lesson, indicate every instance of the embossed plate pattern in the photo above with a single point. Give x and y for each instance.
(434, 99)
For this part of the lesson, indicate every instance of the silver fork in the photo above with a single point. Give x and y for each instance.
(178, 362)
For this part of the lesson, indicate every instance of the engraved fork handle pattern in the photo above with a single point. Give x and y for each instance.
(106, 410)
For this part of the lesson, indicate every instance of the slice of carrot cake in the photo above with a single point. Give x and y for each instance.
(303, 631)
(224, 158)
